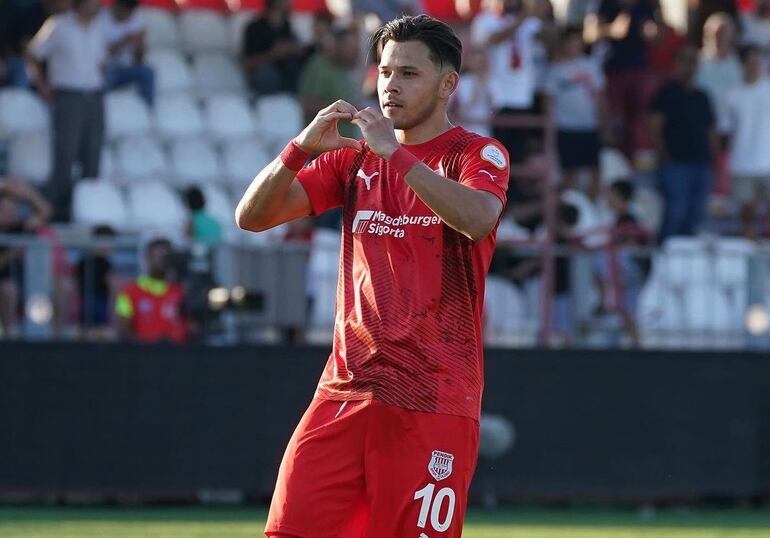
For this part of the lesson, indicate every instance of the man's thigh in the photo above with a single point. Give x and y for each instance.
(418, 470)
(320, 487)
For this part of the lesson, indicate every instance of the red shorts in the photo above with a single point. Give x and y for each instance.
(364, 469)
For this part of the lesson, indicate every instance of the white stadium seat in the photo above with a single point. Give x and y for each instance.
(203, 30)
(161, 28)
(221, 207)
(30, 157)
(154, 206)
(172, 72)
(140, 158)
(194, 162)
(107, 163)
(242, 160)
(126, 115)
(613, 165)
(506, 317)
(279, 119)
(228, 117)
(684, 260)
(21, 111)
(97, 201)
(323, 267)
(178, 116)
(237, 23)
(217, 73)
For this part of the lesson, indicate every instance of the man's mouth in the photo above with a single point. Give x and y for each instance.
(392, 105)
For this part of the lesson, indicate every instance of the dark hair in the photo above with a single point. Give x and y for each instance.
(572, 30)
(747, 50)
(195, 199)
(623, 188)
(568, 214)
(445, 47)
(103, 230)
(158, 242)
(128, 4)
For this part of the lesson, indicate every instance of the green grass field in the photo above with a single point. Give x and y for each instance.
(518, 523)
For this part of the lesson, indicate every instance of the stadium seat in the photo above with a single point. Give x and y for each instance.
(203, 30)
(732, 260)
(323, 267)
(507, 321)
(683, 261)
(708, 309)
(589, 219)
(126, 115)
(194, 162)
(107, 163)
(279, 119)
(219, 206)
(228, 117)
(29, 157)
(660, 315)
(216, 73)
(155, 207)
(172, 72)
(237, 23)
(242, 160)
(178, 116)
(140, 158)
(647, 206)
(98, 201)
(21, 111)
(613, 165)
(162, 30)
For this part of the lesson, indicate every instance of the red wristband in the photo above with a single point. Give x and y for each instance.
(403, 161)
(293, 157)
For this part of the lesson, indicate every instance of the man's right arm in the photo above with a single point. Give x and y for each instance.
(276, 196)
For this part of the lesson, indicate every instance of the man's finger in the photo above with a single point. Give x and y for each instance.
(332, 116)
(339, 106)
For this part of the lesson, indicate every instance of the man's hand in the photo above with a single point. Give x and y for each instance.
(322, 134)
(377, 131)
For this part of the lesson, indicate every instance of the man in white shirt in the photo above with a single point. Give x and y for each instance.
(508, 34)
(124, 27)
(67, 60)
(749, 114)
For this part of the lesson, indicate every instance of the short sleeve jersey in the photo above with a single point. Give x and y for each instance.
(411, 288)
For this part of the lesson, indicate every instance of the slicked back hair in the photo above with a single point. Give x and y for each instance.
(444, 45)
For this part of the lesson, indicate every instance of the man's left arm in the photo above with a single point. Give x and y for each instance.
(470, 210)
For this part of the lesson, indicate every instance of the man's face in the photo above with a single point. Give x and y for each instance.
(158, 259)
(687, 63)
(88, 8)
(410, 84)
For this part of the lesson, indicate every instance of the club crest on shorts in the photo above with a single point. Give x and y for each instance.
(440, 466)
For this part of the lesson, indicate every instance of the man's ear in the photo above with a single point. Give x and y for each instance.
(449, 83)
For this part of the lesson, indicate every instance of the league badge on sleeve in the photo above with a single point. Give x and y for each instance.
(440, 466)
(494, 155)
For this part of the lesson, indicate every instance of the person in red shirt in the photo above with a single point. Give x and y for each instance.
(388, 445)
(150, 309)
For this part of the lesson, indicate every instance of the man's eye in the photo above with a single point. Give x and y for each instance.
(409, 73)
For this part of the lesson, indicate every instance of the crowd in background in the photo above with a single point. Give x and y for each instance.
(689, 109)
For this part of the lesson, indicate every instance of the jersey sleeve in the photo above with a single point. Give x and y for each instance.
(485, 167)
(324, 181)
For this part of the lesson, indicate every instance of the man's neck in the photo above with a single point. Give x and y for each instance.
(424, 132)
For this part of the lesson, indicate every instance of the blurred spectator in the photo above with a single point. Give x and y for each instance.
(756, 27)
(23, 210)
(329, 74)
(664, 43)
(720, 69)
(701, 10)
(749, 113)
(95, 283)
(74, 47)
(124, 27)
(385, 10)
(150, 309)
(272, 55)
(509, 35)
(622, 274)
(626, 26)
(546, 38)
(567, 216)
(684, 131)
(575, 88)
(202, 227)
(471, 104)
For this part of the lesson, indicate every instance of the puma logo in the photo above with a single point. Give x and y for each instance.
(488, 173)
(367, 179)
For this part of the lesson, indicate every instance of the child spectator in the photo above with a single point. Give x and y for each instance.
(95, 284)
(202, 227)
(575, 89)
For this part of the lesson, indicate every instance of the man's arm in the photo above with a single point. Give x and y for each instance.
(473, 213)
(275, 196)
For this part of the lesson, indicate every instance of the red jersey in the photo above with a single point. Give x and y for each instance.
(411, 289)
(154, 307)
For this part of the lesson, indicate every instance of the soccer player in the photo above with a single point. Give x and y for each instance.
(388, 446)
